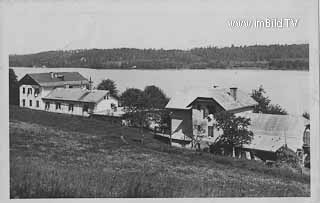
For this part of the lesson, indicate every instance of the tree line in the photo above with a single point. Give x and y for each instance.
(282, 57)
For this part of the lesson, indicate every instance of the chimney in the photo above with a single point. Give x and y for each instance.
(233, 92)
(90, 84)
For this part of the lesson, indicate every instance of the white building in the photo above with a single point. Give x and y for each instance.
(65, 92)
(79, 101)
(35, 86)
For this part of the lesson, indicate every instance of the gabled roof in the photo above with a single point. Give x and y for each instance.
(183, 100)
(273, 131)
(94, 96)
(46, 79)
(77, 94)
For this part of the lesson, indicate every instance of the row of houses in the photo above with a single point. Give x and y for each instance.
(71, 93)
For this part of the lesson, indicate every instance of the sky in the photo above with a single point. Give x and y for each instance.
(35, 26)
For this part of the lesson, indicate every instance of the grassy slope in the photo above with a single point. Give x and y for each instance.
(55, 155)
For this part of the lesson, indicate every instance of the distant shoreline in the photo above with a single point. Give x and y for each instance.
(262, 57)
(239, 68)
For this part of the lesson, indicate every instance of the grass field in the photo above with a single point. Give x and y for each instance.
(56, 155)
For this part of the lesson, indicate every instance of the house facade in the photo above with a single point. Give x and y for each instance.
(192, 112)
(64, 92)
(33, 87)
(77, 101)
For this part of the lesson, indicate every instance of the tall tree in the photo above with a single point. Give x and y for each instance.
(135, 106)
(264, 105)
(110, 85)
(13, 88)
(133, 100)
(155, 97)
(235, 131)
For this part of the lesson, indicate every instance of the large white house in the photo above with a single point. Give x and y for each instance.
(64, 92)
(35, 86)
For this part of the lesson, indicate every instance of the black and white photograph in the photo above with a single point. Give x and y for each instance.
(160, 99)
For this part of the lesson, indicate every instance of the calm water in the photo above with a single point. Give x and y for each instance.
(290, 89)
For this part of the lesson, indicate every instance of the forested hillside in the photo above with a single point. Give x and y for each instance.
(283, 57)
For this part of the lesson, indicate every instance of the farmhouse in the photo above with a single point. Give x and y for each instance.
(79, 101)
(64, 92)
(192, 113)
(194, 109)
(35, 86)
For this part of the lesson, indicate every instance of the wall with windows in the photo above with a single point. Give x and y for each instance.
(203, 122)
(107, 104)
(31, 96)
(66, 107)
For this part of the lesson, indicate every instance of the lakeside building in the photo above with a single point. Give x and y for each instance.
(192, 113)
(64, 92)
(79, 101)
(194, 109)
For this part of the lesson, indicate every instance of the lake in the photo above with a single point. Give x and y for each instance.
(289, 89)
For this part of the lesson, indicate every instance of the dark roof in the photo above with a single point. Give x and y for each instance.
(60, 78)
(76, 94)
(182, 100)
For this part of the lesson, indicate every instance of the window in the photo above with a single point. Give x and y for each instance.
(85, 107)
(47, 106)
(30, 102)
(36, 92)
(70, 107)
(37, 104)
(29, 91)
(23, 90)
(199, 128)
(114, 107)
(58, 106)
(210, 131)
(205, 113)
(23, 102)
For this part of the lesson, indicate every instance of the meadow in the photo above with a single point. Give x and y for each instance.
(56, 155)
